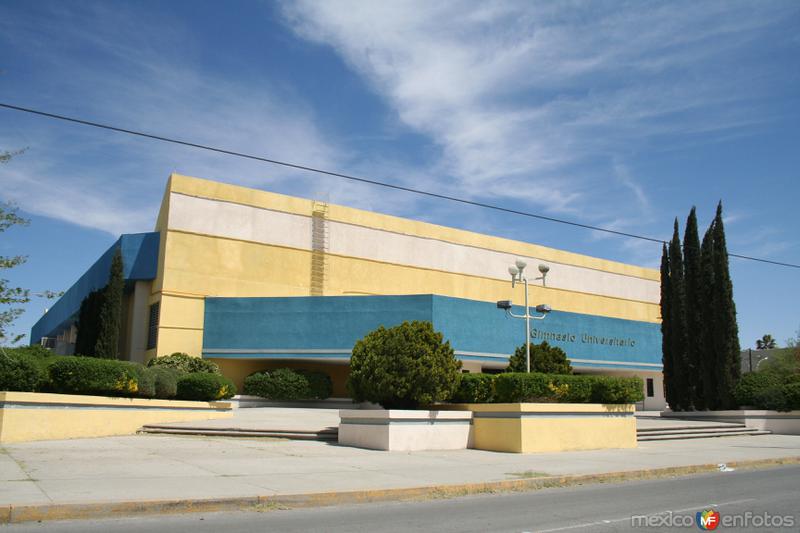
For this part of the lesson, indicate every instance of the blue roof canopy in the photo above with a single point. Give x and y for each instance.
(140, 262)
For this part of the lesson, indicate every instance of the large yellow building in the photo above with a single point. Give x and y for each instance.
(229, 258)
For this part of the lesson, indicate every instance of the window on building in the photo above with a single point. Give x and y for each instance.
(650, 388)
(152, 325)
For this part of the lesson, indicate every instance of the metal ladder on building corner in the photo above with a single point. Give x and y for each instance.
(319, 248)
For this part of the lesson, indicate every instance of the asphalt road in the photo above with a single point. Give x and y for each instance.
(670, 504)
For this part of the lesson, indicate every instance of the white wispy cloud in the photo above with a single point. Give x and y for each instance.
(543, 101)
(142, 80)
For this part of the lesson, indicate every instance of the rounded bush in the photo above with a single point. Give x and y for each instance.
(772, 399)
(403, 367)
(320, 385)
(205, 387)
(545, 359)
(752, 384)
(19, 373)
(475, 388)
(185, 363)
(289, 384)
(88, 375)
(278, 384)
(166, 381)
(145, 380)
(611, 389)
(792, 392)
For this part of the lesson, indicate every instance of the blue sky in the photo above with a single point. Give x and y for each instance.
(615, 114)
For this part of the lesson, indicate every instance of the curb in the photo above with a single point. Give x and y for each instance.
(14, 514)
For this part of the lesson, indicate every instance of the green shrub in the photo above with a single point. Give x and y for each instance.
(185, 363)
(36, 351)
(792, 392)
(517, 387)
(792, 378)
(278, 384)
(772, 399)
(205, 387)
(545, 359)
(166, 381)
(403, 367)
(578, 388)
(145, 380)
(289, 384)
(320, 385)
(752, 384)
(782, 362)
(612, 389)
(88, 375)
(475, 388)
(19, 373)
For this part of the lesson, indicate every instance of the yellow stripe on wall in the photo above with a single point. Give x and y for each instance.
(268, 200)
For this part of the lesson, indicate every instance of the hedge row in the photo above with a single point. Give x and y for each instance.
(768, 390)
(184, 363)
(29, 370)
(523, 387)
(289, 384)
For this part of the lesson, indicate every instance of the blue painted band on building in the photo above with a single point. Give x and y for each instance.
(307, 327)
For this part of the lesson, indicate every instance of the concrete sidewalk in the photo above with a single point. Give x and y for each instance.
(152, 467)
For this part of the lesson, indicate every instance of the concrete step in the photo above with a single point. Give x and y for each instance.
(678, 426)
(690, 429)
(244, 402)
(328, 434)
(699, 434)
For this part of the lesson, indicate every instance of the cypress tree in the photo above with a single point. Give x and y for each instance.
(666, 338)
(726, 329)
(107, 344)
(88, 323)
(708, 358)
(694, 306)
(678, 340)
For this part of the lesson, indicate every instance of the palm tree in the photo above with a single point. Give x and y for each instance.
(765, 343)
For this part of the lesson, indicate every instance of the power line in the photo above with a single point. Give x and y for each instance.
(362, 180)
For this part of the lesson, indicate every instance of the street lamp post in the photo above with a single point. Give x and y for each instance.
(517, 274)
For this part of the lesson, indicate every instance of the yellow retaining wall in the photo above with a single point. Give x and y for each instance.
(551, 427)
(29, 416)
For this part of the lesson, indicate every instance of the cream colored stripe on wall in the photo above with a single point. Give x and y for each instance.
(225, 219)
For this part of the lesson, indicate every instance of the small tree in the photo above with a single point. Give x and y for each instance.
(765, 343)
(403, 367)
(708, 362)
(88, 323)
(111, 311)
(726, 330)
(682, 393)
(544, 358)
(10, 296)
(692, 273)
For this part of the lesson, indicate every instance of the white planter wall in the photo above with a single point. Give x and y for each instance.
(405, 430)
